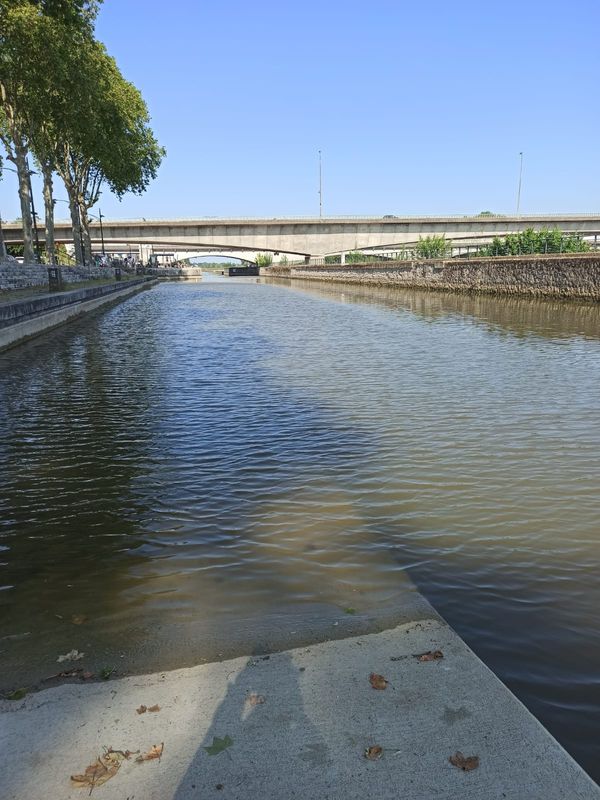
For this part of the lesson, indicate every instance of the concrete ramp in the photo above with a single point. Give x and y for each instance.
(295, 724)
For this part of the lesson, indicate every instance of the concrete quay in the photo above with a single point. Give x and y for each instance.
(22, 319)
(295, 724)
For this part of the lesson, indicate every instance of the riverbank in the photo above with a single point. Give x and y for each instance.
(296, 724)
(15, 277)
(559, 276)
(22, 319)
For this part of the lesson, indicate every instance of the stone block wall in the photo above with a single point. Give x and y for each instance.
(25, 276)
(570, 275)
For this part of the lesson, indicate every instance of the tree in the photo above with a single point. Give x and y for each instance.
(264, 259)
(531, 241)
(113, 145)
(433, 247)
(29, 61)
(63, 97)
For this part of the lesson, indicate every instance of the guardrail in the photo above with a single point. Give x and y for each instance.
(399, 218)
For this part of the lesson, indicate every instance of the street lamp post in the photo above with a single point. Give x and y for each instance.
(320, 187)
(101, 231)
(100, 217)
(520, 180)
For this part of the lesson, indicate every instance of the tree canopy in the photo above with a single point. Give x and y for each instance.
(64, 100)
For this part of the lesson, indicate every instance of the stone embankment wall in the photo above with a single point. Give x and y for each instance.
(25, 276)
(569, 275)
(24, 319)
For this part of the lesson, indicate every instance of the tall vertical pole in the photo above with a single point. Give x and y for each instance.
(520, 179)
(33, 214)
(101, 232)
(320, 187)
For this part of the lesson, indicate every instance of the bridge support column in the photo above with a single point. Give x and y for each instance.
(343, 258)
(307, 259)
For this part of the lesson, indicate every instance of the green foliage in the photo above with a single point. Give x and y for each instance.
(264, 259)
(18, 694)
(219, 745)
(433, 247)
(62, 256)
(63, 98)
(283, 261)
(532, 241)
(106, 672)
(354, 257)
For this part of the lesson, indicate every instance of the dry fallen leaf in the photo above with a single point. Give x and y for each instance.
(141, 710)
(154, 708)
(255, 699)
(430, 655)
(103, 769)
(155, 752)
(374, 752)
(72, 655)
(377, 681)
(465, 763)
(78, 619)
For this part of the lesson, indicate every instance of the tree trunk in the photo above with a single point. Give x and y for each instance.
(2, 243)
(87, 239)
(25, 198)
(49, 213)
(75, 226)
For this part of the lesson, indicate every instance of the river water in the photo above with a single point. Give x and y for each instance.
(223, 467)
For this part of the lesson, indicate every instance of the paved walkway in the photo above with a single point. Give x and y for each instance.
(298, 724)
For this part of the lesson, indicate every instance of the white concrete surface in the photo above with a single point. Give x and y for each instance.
(306, 740)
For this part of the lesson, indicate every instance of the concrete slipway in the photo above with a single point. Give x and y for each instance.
(306, 740)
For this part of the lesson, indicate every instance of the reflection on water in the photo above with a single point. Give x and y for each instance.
(207, 468)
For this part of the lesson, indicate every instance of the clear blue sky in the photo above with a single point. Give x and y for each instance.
(417, 107)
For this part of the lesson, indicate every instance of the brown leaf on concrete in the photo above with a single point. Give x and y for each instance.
(154, 708)
(254, 699)
(374, 752)
(430, 655)
(155, 751)
(103, 769)
(466, 763)
(142, 709)
(78, 619)
(377, 681)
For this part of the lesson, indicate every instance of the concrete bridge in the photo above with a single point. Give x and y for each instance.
(310, 236)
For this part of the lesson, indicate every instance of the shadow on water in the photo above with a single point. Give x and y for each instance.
(176, 499)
